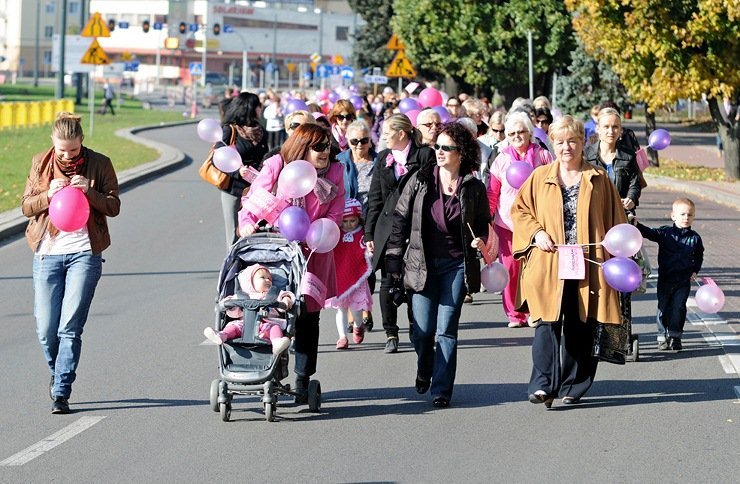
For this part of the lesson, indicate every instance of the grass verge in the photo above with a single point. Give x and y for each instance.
(682, 171)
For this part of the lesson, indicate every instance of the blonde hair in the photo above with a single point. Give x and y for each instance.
(67, 126)
(498, 117)
(567, 125)
(299, 112)
(608, 112)
(401, 122)
(684, 201)
(541, 102)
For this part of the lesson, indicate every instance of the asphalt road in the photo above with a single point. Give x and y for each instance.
(141, 410)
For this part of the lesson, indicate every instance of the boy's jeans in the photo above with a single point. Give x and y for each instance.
(672, 298)
(64, 286)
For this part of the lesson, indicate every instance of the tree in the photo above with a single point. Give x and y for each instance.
(484, 44)
(664, 50)
(588, 82)
(371, 38)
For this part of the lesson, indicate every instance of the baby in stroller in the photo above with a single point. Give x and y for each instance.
(256, 281)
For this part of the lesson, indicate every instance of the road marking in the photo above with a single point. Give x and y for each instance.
(737, 392)
(50, 442)
(727, 364)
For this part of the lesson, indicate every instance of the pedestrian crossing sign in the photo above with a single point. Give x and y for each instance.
(95, 55)
(401, 66)
(96, 27)
(395, 43)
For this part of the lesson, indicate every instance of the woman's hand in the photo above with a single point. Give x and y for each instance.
(370, 246)
(543, 241)
(247, 230)
(243, 170)
(628, 204)
(56, 185)
(478, 244)
(80, 182)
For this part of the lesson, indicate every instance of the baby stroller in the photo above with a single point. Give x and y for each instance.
(247, 365)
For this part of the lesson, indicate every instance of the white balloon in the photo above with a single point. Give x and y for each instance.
(494, 277)
(297, 179)
(210, 130)
(227, 159)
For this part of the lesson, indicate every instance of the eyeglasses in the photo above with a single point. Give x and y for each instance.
(294, 125)
(517, 133)
(321, 147)
(498, 131)
(359, 141)
(452, 105)
(445, 148)
(429, 125)
(342, 117)
(541, 121)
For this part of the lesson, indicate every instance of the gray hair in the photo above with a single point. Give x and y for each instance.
(468, 124)
(360, 126)
(518, 117)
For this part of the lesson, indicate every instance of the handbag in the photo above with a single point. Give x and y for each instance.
(610, 342)
(213, 175)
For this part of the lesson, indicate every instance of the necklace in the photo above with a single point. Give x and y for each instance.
(451, 185)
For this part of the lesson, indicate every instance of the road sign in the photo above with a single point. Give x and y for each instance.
(193, 27)
(132, 66)
(123, 25)
(347, 72)
(96, 27)
(95, 55)
(395, 43)
(338, 60)
(375, 79)
(157, 26)
(270, 67)
(315, 58)
(228, 29)
(291, 67)
(322, 71)
(196, 69)
(401, 66)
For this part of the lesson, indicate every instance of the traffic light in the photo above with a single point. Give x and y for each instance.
(145, 26)
(216, 29)
(111, 25)
(183, 27)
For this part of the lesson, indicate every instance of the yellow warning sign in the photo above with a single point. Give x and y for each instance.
(401, 66)
(95, 55)
(395, 43)
(96, 27)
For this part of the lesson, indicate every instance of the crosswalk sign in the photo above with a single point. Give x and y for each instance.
(196, 69)
(401, 67)
(96, 27)
(95, 55)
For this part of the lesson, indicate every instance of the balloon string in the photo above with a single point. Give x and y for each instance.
(568, 245)
(593, 261)
(471, 230)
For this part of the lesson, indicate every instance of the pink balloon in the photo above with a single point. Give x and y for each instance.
(623, 240)
(517, 173)
(430, 97)
(227, 159)
(69, 209)
(622, 274)
(322, 94)
(444, 114)
(412, 115)
(494, 277)
(210, 130)
(297, 179)
(323, 235)
(710, 298)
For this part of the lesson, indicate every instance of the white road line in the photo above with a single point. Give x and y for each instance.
(727, 365)
(737, 392)
(50, 442)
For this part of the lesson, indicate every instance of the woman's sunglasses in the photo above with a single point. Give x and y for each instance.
(498, 131)
(359, 141)
(342, 117)
(321, 147)
(294, 125)
(445, 148)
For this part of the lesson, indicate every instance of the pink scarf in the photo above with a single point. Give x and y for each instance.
(398, 160)
(341, 139)
(528, 156)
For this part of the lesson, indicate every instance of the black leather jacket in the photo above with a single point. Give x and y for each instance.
(626, 172)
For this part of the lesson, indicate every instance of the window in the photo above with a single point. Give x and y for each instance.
(48, 31)
(74, 8)
(49, 7)
(342, 33)
(47, 57)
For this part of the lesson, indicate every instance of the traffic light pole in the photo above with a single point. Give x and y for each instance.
(204, 55)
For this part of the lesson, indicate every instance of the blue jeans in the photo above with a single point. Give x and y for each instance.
(436, 312)
(63, 287)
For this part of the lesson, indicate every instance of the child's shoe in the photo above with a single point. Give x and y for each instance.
(350, 327)
(213, 336)
(367, 322)
(342, 343)
(358, 335)
(279, 345)
(675, 344)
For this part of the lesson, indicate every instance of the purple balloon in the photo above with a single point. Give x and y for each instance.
(540, 134)
(408, 104)
(710, 298)
(353, 88)
(294, 223)
(623, 240)
(333, 97)
(517, 173)
(659, 139)
(622, 274)
(444, 114)
(357, 102)
(69, 209)
(494, 277)
(556, 114)
(296, 105)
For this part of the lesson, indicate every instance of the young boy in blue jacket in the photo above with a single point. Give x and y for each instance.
(680, 256)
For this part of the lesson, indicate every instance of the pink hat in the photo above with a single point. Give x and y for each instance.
(352, 208)
(246, 279)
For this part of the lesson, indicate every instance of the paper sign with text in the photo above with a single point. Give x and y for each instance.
(312, 286)
(264, 205)
(571, 263)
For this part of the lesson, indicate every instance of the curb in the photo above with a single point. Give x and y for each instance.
(13, 222)
(725, 193)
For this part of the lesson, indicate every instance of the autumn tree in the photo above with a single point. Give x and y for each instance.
(665, 50)
(484, 44)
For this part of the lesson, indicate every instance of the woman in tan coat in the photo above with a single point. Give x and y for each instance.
(566, 202)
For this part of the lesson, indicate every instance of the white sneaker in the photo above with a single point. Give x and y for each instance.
(279, 345)
(213, 336)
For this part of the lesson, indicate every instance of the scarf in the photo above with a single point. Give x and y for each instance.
(341, 139)
(398, 159)
(324, 189)
(70, 168)
(253, 134)
(528, 156)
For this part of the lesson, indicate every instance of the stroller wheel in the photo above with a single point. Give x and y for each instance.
(314, 396)
(270, 412)
(214, 395)
(635, 349)
(225, 409)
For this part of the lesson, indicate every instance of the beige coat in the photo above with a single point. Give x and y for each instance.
(539, 205)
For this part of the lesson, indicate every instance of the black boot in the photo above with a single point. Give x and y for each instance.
(301, 389)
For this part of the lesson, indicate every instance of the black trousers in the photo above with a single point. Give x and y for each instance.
(574, 375)
(388, 310)
(306, 343)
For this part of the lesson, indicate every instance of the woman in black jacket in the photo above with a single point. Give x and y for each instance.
(443, 212)
(242, 115)
(393, 167)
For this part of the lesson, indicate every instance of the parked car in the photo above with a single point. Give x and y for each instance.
(216, 79)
